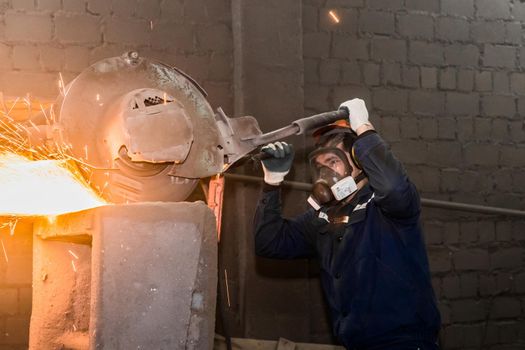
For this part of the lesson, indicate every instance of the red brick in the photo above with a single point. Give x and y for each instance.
(49, 5)
(173, 35)
(19, 270)
(5, 56)
(52, 58)
(8, 301)
(148, 9)
(217, 38)
(171, 9)
(26, 58)
(124, 31)
(468, 310)
(28, 27)
(25, 296)
(99, 7)
(23, 4)
(471, 259)
(17, 330)
(78, 29)
(76, 58)
(220, 68)
(74, 5)
(123, 8)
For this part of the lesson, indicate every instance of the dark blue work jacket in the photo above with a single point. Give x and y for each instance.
(374, 269)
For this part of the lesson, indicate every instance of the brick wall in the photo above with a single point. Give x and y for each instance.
(41, 38)
(15, 284)
(445, 83)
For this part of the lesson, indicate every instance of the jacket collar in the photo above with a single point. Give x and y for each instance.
(362, 196)
(350, 212)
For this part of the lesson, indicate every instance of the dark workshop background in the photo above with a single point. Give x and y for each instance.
(445, 84)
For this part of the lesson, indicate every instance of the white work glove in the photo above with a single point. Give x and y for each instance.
(278, 165)
(358, 114)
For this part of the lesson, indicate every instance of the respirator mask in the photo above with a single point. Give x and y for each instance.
(331, 176)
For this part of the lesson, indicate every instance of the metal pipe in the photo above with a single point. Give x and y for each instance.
(302, 186)
(298, 127)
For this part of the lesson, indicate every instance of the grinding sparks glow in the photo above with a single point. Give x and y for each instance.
(61, 85)
(38, 178)
(334, 16)
(42, 187)
(73, 254)
(5, 253)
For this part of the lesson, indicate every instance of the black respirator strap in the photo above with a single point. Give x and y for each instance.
(354, 159)
(360, 177)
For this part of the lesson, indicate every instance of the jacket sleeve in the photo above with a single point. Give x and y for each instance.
(394, 193)
(277, 237)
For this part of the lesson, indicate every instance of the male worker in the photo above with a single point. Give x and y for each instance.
(364, 228)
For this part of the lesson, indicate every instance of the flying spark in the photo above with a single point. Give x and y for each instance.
(61, 86)
(5, 253)
(39, 180)
(227, 289)
(12, 226)
(73, 254)
(334, 16)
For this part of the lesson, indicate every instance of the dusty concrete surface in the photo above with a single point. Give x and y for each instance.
(148, 282)
(61, 283)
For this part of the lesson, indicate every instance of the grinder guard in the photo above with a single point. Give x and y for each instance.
(146, 130)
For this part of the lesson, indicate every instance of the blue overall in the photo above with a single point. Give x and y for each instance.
(374, 269)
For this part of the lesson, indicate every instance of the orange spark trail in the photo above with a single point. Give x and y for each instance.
(334, 16)
(5, 253)
(42, 187)
(73, 254)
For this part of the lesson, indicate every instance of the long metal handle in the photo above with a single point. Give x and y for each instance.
(318, 120)
(299, 127)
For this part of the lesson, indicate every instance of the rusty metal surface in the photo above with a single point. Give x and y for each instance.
(153, 126)
(216, 200)
(60, 302)
(92, 99)
(234, 132)
(144, 131)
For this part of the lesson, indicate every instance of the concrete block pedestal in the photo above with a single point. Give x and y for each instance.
(134, 276)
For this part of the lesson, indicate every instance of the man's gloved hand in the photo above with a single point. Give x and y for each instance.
(357, 112)
(278, 165)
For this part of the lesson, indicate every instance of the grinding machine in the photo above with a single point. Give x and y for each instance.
(140, 273)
